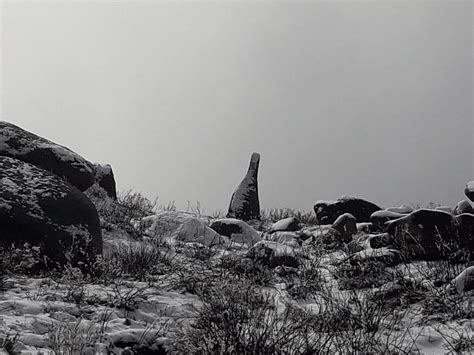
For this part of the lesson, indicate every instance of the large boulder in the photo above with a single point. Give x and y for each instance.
(469, 190)
(328, 211)
(426, 234)
(181, 226)
(236, 230)
(244, 203)
(346, 226)
(379, 218)
(290, 224)
(17, 143)
(41, 209)
(104, 177)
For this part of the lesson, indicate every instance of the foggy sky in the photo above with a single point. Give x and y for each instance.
(372, 99)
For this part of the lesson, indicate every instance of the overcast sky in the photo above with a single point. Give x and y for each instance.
(372, 99)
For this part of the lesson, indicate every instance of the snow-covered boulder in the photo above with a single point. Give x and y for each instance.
(41, 209)
(464, 282)
(244, 203)
(104, 177)
(328, 211)
(403, 209)
(379, 218)
(287, 238)
(236, 230)
(17, 143)
(289, 224)
(469, 190)
(183, 227)
(346, 226)
(426, 234)
(463, 206)
(273, 254)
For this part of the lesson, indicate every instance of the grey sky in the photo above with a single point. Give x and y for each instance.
(372, 99)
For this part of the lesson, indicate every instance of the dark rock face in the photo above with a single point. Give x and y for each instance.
(466, 231)
(39, 208)
(244, 204)
(379, 218)
(104, 176)
(463, 206)
(327, 212)
(346, 226)
(469, 191)
(17, 143)
(426, 234)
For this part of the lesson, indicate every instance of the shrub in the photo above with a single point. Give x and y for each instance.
(239, 318)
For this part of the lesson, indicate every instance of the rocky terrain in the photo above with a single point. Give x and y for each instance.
(87, 270)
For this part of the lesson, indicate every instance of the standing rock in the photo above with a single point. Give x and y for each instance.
(425, 233)
(39, 208)
(104, 177)
(469, 190)
(244, 204)
(290, 224)
(236, 230)
(346, 225)
(17, 143)
(328, 211)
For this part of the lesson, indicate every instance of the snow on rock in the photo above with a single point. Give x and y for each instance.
(244, 203)
(287, 238)
(17, 143)
(464, 282)
(236, 230)
(289, 224)
(444, 209)
(403, 209)
(181, 226)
